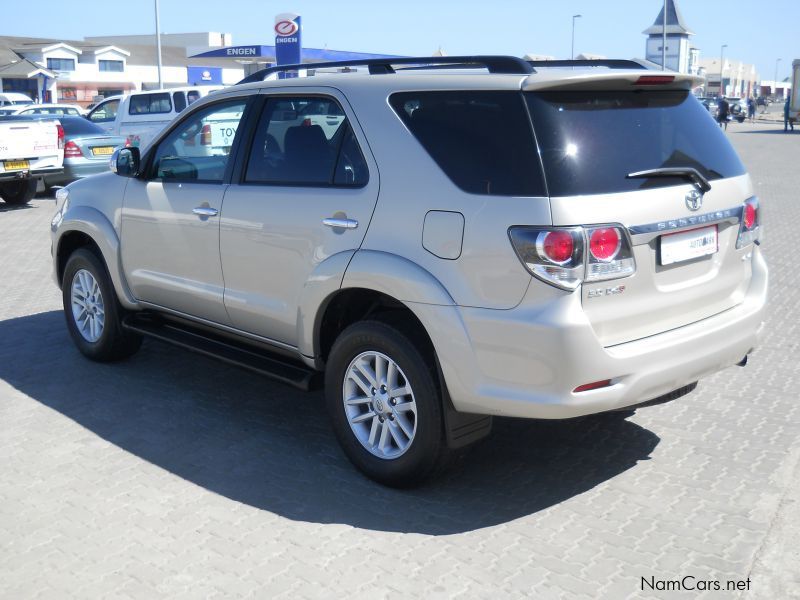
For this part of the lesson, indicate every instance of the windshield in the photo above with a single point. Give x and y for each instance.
(591, 141)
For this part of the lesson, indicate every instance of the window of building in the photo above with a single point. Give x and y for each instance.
(117, 66)
(61, 64)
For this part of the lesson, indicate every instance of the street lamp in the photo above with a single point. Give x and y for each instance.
(664, 39)
(572, 52)
(158, 47)
(777, 60)
(721, 69)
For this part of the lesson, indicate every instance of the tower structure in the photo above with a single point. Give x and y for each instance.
(678, 34)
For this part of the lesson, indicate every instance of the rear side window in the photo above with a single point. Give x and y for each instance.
(179, 100)
(150, 104)
(482, 140)
(590, 141)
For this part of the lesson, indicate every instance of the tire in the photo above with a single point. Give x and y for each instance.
(418, 412)
(20, 191)
(99, 334)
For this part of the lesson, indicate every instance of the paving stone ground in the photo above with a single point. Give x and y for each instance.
(175, 476)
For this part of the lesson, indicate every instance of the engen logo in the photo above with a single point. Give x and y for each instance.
(285, 28)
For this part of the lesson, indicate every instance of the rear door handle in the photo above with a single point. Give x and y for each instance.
(205, 211)
(341, 223)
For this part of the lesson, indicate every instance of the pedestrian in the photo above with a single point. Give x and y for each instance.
(723, 110)
(751, 109)
(787, 123)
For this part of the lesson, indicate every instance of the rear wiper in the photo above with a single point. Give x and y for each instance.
(690, 173)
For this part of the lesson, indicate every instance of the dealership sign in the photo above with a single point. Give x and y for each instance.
(287, 39)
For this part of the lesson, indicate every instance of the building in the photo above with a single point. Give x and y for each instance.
(739, 79)
(680, 55)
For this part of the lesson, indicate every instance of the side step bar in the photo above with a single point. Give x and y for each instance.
(273, 366)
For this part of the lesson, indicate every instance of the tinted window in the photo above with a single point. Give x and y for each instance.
(179, 100)
(590, 141)
(61, 64)
(199, 147)
(150, 104)
(105, 112)
(192, 96)
(305, 141)
(80, 126)
(481, 140)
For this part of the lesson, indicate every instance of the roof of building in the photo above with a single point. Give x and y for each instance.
(675, 22)
(23, 68)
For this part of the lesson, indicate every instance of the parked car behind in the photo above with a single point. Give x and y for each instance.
(87, 149)
(43, 109)
(738, 108)
(139, 116)
(14, 98)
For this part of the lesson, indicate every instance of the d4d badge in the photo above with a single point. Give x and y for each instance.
(609, 291)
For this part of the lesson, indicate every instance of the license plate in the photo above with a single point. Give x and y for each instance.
(686, 245)
(102, 150)
(16, 165)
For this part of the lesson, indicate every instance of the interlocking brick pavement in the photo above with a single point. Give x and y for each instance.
(174, 476)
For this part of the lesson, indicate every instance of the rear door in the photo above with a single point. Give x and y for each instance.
(276, 223)
(591, 142)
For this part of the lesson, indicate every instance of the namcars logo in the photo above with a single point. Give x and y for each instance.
(286, 27)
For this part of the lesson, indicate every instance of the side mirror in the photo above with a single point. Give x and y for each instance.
(126, 162)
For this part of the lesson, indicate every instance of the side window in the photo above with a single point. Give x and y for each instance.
(192, 96)
(179, 100)
(150, 104)
(482, 140)
(105, 112)
(305, 141)
(199, 147)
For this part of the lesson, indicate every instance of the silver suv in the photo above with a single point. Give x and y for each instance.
(444, 239)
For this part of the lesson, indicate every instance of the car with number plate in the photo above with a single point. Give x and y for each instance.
(87, 150)
(432, 241)
(30, 148)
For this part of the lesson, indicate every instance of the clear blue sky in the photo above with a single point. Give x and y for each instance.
(756, 32)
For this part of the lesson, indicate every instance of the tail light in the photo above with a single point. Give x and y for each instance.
(205, 135)
(307, 122)
(71, 150)
(655, 79)
(567, 256)
(750, 222)
(60, 136)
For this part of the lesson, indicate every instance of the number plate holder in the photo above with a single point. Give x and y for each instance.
(688, 245)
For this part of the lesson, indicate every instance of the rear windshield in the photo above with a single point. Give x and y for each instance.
(80, 126)
(481, 140)
(590, 141)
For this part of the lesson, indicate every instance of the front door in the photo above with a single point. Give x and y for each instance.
(305, 167)
(170, 218)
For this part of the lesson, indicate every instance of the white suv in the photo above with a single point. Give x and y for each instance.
(444, 245)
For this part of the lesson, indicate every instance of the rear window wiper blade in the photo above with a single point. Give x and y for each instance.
(690, 173)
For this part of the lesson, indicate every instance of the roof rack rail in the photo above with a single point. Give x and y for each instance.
(380, 66)
(612, 63)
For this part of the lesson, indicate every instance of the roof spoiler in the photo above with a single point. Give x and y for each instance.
(614, 79)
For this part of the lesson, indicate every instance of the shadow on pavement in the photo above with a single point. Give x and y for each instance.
(767, 131)
(269, 446)
(12, 207)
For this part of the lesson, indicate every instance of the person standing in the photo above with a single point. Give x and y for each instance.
(787, 123)
(751, 109)
(723, 111)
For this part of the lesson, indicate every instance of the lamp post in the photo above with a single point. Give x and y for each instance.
(721, 69)
(572, 52)
(664, 40)
(158, 48)
(777, 60)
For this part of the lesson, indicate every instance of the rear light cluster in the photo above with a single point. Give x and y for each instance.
(71, 150)
(60, 130)
(749, 225)
(568, 256)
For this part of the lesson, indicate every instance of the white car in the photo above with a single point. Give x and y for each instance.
(12, 98)
(139, 116)
(43, 109)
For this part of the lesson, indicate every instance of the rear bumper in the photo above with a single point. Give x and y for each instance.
(525, 362)
(14, 175)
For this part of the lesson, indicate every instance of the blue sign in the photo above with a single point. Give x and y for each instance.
(237, 52)
(287, 39)
(204, 75)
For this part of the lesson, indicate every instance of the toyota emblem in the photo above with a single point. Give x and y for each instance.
(694, 200)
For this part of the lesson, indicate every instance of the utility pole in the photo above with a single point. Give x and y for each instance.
(572, 52)
(777, 60)
(721, 69)
(664, 40)
(158, 48)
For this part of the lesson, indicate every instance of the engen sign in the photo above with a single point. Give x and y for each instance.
(287, 39)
